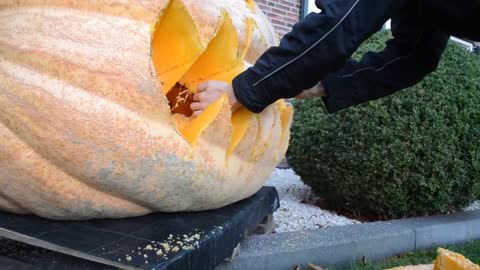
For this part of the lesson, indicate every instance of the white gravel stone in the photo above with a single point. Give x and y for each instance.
(295, 213)
(473, 206)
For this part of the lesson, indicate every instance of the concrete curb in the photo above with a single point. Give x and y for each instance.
(336, 246)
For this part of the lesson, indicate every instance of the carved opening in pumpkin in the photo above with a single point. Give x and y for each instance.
(182, 62)
(179, 99)
(251, 5)
(176, 44)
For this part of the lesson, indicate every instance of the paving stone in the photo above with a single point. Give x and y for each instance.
(325, 247)
(444, 229)
(338, 246)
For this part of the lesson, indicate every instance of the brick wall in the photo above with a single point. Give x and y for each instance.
(282, 13)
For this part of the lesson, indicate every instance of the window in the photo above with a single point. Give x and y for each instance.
(308, 6)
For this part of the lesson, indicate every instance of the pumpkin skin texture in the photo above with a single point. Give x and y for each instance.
(94, 118)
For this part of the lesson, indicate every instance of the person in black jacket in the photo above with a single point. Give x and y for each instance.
(315, 55)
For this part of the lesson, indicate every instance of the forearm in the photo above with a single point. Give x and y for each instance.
(318, 45)
(381, 74)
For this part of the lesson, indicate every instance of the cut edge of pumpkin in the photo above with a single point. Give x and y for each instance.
(173, 53)
(269, 146)
(286, 113)
(266, 122)
(251, 5)
(241, 121)
(228, 63)
(195, 128)
(220, 60)
(250, 22)
(449, 260)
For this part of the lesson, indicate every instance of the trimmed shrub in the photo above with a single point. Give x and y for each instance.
(413, 153)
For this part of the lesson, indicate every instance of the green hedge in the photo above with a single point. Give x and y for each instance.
(413, 153)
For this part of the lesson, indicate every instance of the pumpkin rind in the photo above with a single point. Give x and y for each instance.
(87, 130)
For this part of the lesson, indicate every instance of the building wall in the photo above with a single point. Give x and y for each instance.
(282, 13)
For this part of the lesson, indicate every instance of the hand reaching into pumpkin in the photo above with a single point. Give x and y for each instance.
(209, 92)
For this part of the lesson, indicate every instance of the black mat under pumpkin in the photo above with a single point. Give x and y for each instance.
(184, 241)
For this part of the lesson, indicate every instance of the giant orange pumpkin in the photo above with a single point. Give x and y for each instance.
(94, 107)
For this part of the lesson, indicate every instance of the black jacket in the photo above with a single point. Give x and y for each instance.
(319, 48)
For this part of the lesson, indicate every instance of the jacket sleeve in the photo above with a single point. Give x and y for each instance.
(316, 46)
(414, 51)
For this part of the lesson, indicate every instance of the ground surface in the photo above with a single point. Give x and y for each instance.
(296, 213)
